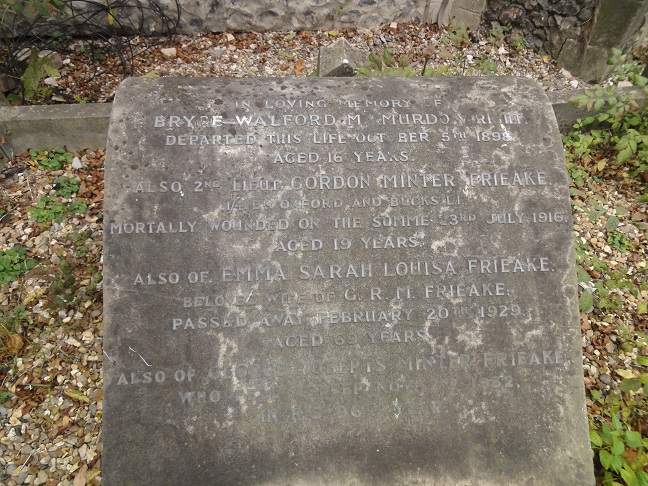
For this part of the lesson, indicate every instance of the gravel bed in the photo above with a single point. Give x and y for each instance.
(52, 407)
(51, 418)
(272, 54)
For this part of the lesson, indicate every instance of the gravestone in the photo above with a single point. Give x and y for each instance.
(310, 282)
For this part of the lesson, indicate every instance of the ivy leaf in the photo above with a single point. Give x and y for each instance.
(40, 8)
(606, 458)
(617, 463)
(630, 384)
(642, 478)
(583, 276)
(586, 302)
(616, 423)
(618, 447)
(606, 434)
(50, 70)
(624, 155)
(628, 476)
(633, 439)
(595, 439)
(612, 223)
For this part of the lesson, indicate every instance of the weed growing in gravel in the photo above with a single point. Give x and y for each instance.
(78, 242)
(10, 320)
(49, 209)
(601, 289)
(517, 43)
(38, 68)
(54, 159)
(75, 281)
(497, 36)
(10, 341)
(619, 240)
(457, 34)
(387, 65)
(13, 263)
(66, 187)
(578, 174)
(623, 128)
(94, 52)
(62, 290)
(605, 145)
(621, 452)
(486, 67)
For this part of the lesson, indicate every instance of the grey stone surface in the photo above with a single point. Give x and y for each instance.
(269, 15)
(471, 19)
(75, 126)
(7, 83)
(340, 59)
(311, 282)
(622, 24)
(579, 34)
(262, 15)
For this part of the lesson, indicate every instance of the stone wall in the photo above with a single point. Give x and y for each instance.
(546, 23)
(577, 33)
(284, 15)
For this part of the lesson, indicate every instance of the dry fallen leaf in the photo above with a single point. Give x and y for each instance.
(80, 478)
(34, 295)
(14, 343)
(93, 474)
(299, 66)
(77, 395)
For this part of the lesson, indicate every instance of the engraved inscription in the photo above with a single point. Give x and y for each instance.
(299, 266)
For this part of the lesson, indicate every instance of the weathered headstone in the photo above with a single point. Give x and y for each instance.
(312, 282)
